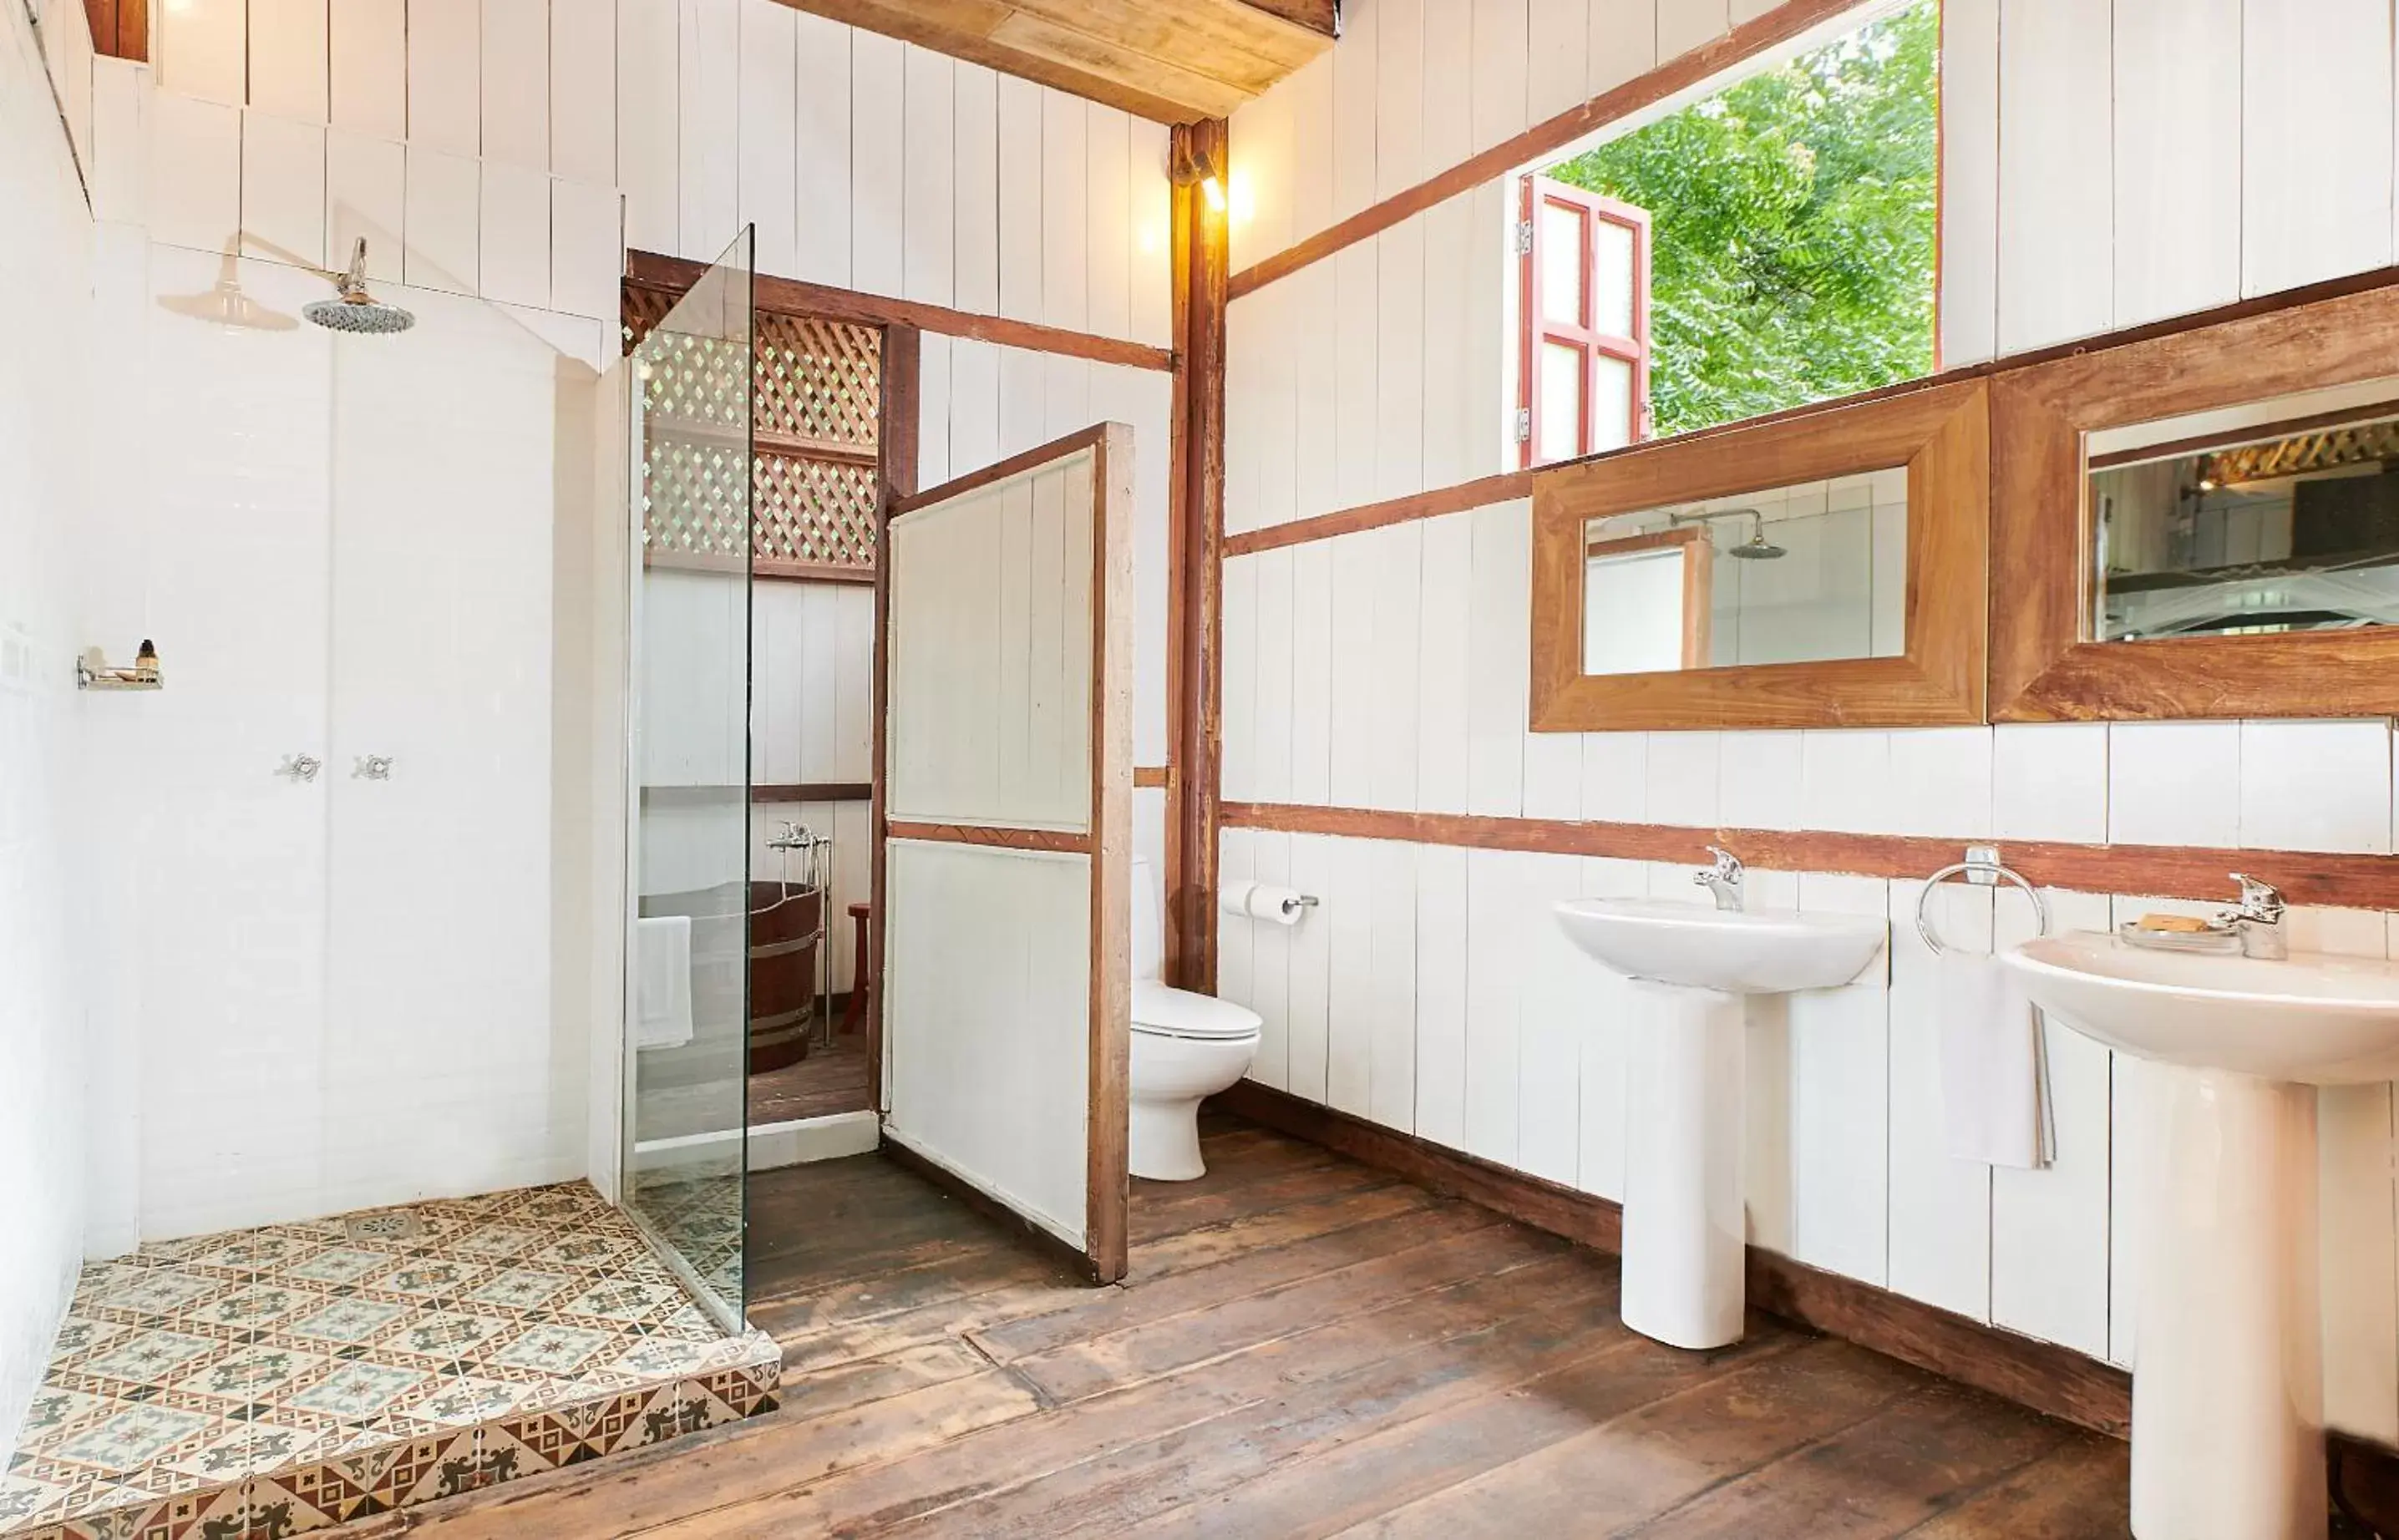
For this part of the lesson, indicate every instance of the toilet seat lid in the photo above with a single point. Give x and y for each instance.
(1179, 1013)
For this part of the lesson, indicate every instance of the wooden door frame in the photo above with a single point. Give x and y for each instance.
(1108, 1189)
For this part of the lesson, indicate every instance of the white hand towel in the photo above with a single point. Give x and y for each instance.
(1994, 1073)
(662, 981)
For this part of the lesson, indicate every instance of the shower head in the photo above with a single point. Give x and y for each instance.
(1755, 549)
(355, 309)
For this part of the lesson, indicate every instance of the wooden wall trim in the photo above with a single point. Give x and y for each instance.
(820, 791)
(1107, 1190)
(1481, 492)
(1062, 841)
(895, 434)
(1195, 686)
(2165, 871)
(1750, 38)
(1154, 776)
(794, 296)
(1037, 458)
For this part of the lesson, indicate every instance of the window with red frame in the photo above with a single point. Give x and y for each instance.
(1582, 374)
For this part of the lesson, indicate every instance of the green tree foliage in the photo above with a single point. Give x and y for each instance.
(1793, 227)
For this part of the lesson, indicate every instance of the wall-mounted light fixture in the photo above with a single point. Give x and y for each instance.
(1194, 167)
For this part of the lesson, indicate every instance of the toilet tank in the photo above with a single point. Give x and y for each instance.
(1148, 930)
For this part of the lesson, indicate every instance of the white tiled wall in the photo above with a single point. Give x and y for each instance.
(46, 974)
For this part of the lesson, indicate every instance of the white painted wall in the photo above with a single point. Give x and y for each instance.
(1386, 668)
(49, 959)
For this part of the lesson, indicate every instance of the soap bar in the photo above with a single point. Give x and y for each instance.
(2173, 922)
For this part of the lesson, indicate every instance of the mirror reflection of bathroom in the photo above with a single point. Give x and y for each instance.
(2280, 516)
(1806, 573)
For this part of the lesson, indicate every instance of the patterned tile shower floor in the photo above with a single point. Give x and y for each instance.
(272, 1381)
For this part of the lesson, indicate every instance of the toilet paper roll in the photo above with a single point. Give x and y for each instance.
(1262, 901)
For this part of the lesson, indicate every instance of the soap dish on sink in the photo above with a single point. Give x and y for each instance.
(2219, 940)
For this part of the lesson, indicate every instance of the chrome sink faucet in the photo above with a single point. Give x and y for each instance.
(2259, 920)
(1722, 879)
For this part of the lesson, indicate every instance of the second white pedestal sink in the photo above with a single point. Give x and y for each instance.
(2228, 1395)
(1683, 1228)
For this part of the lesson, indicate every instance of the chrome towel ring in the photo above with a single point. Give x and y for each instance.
(1981, 867)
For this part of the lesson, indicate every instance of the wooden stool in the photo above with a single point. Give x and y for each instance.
(853, 1016)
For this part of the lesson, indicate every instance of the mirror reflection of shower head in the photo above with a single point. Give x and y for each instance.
(1755, 549)
(355, 309)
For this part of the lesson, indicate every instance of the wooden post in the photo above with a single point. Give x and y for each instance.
(1193, 581)
(895, 439)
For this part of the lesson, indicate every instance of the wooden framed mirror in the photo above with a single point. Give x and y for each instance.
(2203, 524)
(1823, 568)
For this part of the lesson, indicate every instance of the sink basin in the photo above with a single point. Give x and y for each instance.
(1739, 952)
(2312, 1017)
(2228, 1403)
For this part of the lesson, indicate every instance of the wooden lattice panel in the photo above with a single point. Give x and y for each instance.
(815, 492)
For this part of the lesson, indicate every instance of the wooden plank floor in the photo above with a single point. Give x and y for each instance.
(1305, 1347)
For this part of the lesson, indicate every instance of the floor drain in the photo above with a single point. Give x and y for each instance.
(398, 1224)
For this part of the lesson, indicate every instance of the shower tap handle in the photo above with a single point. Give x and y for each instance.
(300, 767)
(373, 767)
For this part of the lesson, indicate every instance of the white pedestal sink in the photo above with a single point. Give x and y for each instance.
(1682, 1228)
(2227, 1440)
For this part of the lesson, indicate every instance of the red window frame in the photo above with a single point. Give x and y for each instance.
(1536, 331)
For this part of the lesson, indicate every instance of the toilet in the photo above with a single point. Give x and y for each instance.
(1185, 1046)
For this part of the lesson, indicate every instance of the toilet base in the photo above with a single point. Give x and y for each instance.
(1164, 1143)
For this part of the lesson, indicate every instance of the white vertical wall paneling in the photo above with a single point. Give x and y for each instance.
(2050, 1236)
(1440, 994)
(770, 133)
(1400, 75)
(975, 183)
(710, 116)
(1066, 404)
(1271, 695)
(196, 173)
(444, 219)
(1685, 24)
(1397, 557)
(1501, 56)
(283, 188)
(1354, 107)
(1261, 153)
(1560, 57)
(1448, 66)
(1444, 685)
(516, 83)
(1605, 1008)
(877, 130)
(822, 201)
(1270, 965)
(2177, 68)
(120, 130)
(1151, 220)
(1317, 379)
(1023, 384)
(1245, 355)
(933, 411)
(202, 50)
(2316, 127)
(1399, 359)
(649, 156)
(1625, 42)
(513, 235)
(1309, 1027)
(1237, 674)
(928, 214)
(1108, 211)
(2358, 1259)
(367, 43)
(1273, 386)
(1312, 146)
(1940, 1206)
(366, 194)
(1554, 1013)
(1353, 668)
(1064, 174)
(1392, 1053)
(1494, 976)
(2056, 269)
(583, 92)
(1311, 673)
(1020, 198)
(974, 405)
(289, 73)
(1969, 180)
(1235, 936)
(1490, 399)
(1449, 396)
(445, 107)
(1351, 993)
(1841, 1103)
(1499, 618)
(1357, 425)
(587, 247)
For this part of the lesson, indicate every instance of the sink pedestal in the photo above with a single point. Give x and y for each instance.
(2228, 1387)
(1683, 1225)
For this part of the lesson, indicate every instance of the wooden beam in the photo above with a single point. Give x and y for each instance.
(793, 296)
(1195, 623)
(903, 349)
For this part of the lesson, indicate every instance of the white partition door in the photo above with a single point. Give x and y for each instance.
(1008, 766)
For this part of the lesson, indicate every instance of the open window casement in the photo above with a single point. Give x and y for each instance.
(1582, 373)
